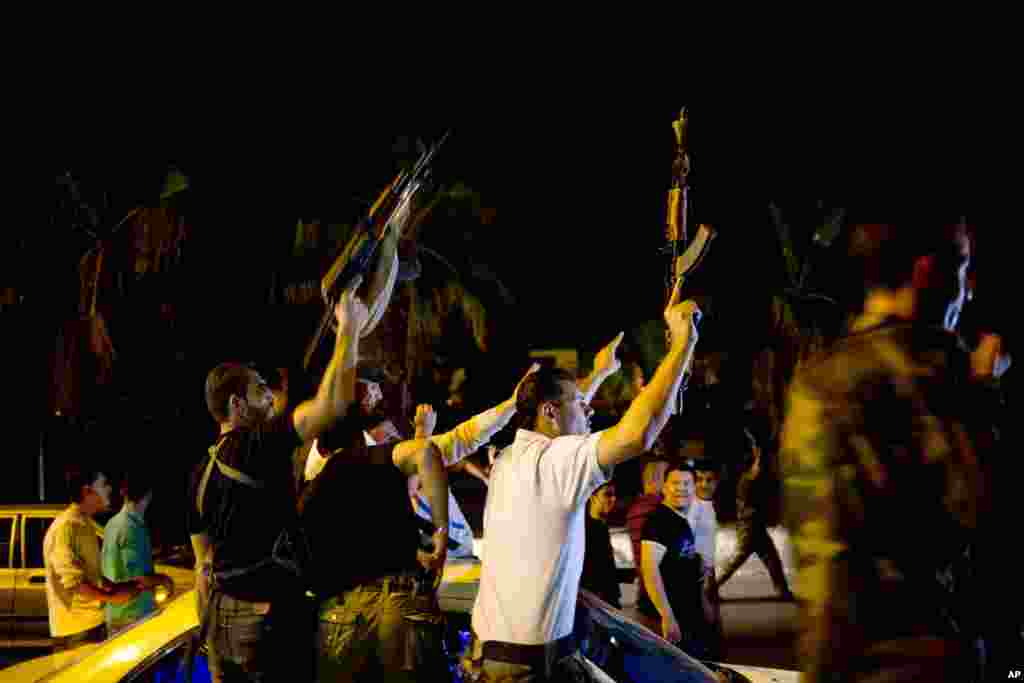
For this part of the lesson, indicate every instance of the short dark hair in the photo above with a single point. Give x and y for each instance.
(679, 468)
(707, 465)
(135, 484)
(886, 252)
(79, 476)
(223, 382)
(369, 372)
(539, 387)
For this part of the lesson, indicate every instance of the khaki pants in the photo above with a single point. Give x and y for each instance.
(390, 630)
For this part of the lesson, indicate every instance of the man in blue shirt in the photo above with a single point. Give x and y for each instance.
(128, 553)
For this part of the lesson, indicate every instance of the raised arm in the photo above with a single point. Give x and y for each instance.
(421, 457)
(472, 434)
(605, 365)
(337, 392)
(647, 414)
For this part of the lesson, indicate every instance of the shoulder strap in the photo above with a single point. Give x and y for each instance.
(226, 470)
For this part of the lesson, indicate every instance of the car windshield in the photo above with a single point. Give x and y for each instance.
(659, 660)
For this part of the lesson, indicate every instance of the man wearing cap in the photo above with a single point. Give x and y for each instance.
(378, 613)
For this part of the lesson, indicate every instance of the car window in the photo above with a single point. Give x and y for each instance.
(169, 667)
(6, 527)
(35, 530)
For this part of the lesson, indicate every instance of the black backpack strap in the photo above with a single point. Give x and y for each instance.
(226, 470)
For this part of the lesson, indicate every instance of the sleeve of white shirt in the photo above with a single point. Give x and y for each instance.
(714, 536)
(470, 435)
(658, 548)
(65, 559)
(570, 464)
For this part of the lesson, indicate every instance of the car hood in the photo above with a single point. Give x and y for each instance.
(39, 668)
(114, 658)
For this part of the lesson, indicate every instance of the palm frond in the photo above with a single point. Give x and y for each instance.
(472, 310)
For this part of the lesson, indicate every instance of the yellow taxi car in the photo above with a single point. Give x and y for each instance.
(156, 648)
(153, 645)
(24, 621)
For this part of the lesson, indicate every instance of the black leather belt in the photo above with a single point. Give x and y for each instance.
(530, 655)
(418, 582)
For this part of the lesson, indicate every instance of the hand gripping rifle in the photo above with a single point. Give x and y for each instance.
(685, 254)
(374, 243)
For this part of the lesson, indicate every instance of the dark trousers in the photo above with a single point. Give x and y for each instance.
(246, 639)
(752, 537)
(711, 633)
(559, 661)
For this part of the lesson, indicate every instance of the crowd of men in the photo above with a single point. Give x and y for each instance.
(888, 459)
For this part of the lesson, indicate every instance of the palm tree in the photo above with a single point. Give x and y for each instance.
(443, 304)
(806, 315)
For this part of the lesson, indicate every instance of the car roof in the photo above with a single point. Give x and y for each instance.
(33, 507)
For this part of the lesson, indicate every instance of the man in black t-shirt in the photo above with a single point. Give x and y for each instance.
(672, 568)
(242, 500)
(378, 617)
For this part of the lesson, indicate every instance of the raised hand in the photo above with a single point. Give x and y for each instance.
(606, 362)
(425, 421)
(533, 368)
(682, 317)
(350, 312)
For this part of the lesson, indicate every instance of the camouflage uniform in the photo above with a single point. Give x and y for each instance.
(882, 489)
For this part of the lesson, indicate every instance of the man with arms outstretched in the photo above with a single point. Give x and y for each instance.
(534, 518)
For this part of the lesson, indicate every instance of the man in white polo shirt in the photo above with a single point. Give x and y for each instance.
(536, 504)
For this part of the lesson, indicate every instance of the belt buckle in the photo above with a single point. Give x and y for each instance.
(333, 618)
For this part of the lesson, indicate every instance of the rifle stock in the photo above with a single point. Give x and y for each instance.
(684, 258)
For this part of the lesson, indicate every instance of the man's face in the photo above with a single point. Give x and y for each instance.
(604, 501)
(678, 491)
(369, 395)
(573, 412)
(97, 495)
(707, 483)
(258, 405)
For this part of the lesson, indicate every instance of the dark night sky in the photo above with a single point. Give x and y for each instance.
(579, 184)
(577, 174)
